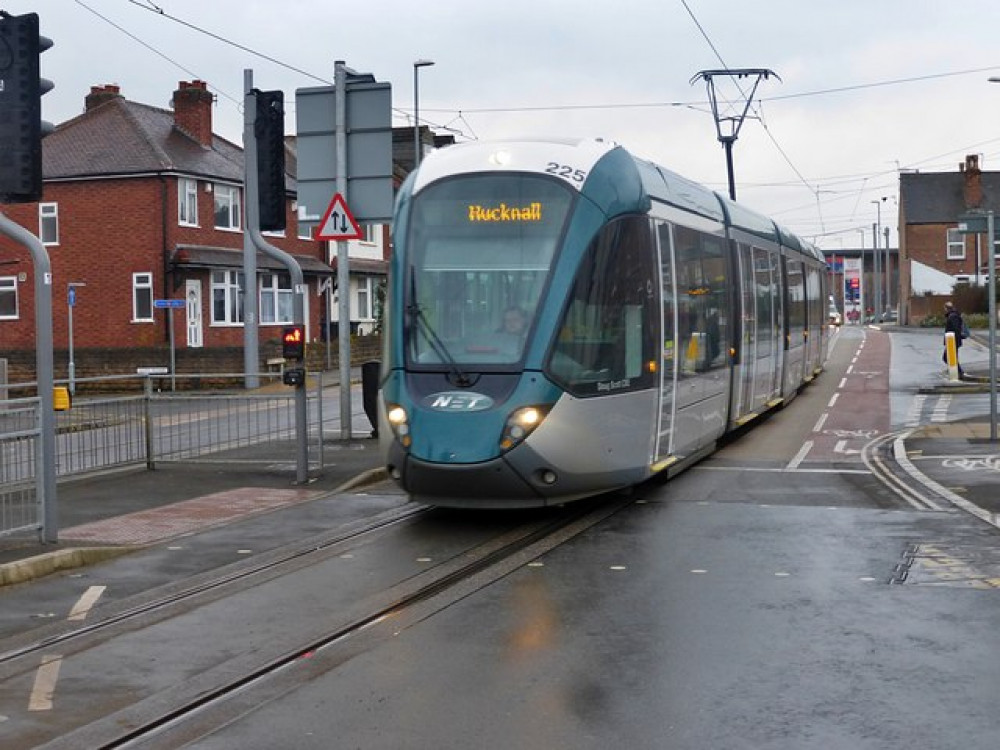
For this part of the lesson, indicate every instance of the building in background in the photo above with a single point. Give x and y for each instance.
(934, 255)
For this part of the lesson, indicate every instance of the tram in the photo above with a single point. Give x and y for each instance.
(564, 319)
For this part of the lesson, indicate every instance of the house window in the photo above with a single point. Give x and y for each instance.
(48, 223)
(227, 207)
(303, 230)
(365, 298)
(227, 297)
(187, 202)
(142, 297)
(275, 298)
(956, 245)
(8, 297)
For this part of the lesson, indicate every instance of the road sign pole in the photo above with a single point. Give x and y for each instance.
(251, 334)
(991, 248)
(173, 350)
(343, 270)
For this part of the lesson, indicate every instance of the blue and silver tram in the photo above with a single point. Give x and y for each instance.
(565, 319)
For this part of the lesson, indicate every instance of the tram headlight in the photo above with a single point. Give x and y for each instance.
(399, 421)
(520, 424)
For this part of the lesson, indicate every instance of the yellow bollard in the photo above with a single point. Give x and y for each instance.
(60, 398)
(951, 352)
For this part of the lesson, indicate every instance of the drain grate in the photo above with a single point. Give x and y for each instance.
(943, 564)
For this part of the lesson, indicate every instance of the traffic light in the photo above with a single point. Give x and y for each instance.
(293, 342)
(269, 131)
(21, 125)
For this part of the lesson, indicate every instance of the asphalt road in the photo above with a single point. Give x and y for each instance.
(775, 596)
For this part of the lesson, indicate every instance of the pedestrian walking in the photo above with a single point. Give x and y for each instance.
(953, 323)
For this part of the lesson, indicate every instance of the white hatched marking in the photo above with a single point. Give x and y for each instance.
(940, 413)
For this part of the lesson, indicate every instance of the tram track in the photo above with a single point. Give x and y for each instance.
(161, 599)
(196, 706)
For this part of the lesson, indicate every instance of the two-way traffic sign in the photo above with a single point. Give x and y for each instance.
(338, 223)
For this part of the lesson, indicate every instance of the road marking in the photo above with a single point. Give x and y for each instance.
(850, 369)
(820, 422)
(843, 383)
(800, 456)
(45, 684)
(940, 413)
(833, 400)
(777, 470)
(86, 602)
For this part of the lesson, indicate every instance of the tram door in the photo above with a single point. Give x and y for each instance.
(668, 326)
(748, 329)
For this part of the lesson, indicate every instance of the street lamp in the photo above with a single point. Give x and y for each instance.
(878, 260)
(71, 288)
(416, 108)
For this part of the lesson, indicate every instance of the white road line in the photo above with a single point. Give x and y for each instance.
(86, 602)
(849, 369)
(45, 684)
(833, 400)
(940, 413)
(800, 456)
(843, 382)
(916, 408)
(820, 422)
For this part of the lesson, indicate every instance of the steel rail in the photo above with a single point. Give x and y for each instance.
(218, 696)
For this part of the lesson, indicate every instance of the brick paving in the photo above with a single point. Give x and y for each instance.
(177, 519)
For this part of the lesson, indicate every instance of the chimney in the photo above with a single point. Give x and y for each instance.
(972, 187)
(101, 94)
(193, 110)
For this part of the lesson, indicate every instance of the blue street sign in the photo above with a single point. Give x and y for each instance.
(72, 297)
(175, 303)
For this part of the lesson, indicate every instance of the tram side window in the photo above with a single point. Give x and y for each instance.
(606, 340)
(702, 304)
(796, 304)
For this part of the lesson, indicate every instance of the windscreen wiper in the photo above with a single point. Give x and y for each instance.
(416, 314)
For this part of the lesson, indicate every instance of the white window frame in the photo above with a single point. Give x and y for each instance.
(365, 298)
(142, 290)
(278, 288)
(48, 218)
(956, 245)
(227, 203)
(187, 202)
(230, 285)
(8, 285)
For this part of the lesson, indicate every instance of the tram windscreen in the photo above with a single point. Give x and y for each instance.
(480, 251)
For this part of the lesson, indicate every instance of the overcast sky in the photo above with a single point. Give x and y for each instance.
(867, 87)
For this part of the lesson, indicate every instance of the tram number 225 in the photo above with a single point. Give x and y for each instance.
(565, 171)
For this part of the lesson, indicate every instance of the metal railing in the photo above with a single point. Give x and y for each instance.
(20, 443)
(98, 434)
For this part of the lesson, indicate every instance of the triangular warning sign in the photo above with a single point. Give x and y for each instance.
(338, 223)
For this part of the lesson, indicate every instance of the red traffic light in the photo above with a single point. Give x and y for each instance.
(293, 342)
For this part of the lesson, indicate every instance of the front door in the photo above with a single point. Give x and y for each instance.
(193, 296)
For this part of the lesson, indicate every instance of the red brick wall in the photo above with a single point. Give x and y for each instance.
(108, 230)
(928, 244)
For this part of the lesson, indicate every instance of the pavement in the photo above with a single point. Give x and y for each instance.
(107, 515)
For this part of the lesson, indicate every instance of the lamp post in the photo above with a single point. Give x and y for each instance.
(878, 260)
(888, 272)
(416, 109)
(71, 288)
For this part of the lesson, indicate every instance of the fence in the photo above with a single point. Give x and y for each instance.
(104, 433)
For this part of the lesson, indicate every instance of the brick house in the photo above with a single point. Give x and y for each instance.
(142, 203)
(934, 255)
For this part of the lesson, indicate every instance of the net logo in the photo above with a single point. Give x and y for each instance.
(462, 401)
(505, 213)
